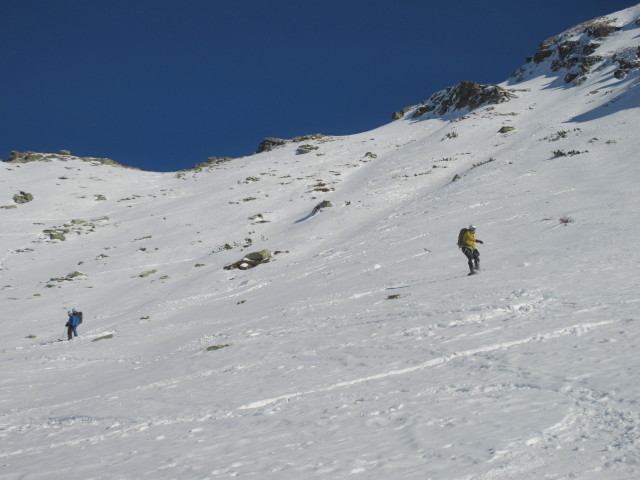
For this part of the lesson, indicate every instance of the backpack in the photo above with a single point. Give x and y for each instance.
(461, 243)
(79, 315)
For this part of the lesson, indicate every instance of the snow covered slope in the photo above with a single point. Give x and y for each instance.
(362, 349)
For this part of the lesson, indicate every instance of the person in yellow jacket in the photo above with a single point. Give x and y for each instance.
(469, 241)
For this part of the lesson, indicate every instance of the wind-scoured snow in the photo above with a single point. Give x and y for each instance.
(362, 350)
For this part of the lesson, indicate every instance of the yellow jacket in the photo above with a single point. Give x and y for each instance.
(469, 239)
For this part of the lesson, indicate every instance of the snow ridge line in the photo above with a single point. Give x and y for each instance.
(578, 329)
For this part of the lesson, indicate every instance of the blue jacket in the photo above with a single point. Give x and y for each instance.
(74, 321)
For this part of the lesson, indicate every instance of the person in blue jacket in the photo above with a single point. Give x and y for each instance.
(72, 323)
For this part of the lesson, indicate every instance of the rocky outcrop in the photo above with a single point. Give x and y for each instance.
(302, 149)
(271, 143)
(627, 62)
(306, 138)
(64, 155)
(211, 162)
(574, 54)
(400, 113)
(463, 96)
(26, 157)
(601, 29)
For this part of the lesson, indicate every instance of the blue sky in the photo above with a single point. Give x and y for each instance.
(163, 85)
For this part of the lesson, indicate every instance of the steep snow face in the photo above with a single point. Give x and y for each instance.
(363, 349)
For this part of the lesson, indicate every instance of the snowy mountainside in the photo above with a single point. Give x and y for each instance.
(362, 349)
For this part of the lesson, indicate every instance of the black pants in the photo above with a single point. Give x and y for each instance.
(473, 256)
(71, 332)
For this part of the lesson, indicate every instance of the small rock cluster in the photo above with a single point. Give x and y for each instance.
(76, 226)
(67, 278)
(22, 197)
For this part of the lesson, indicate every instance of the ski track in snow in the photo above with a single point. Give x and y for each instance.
(125, 426)
(578, 329)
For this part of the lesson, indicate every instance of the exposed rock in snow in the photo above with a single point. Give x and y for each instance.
(23, 197)
(64, 155)
(463, 97)
(577, 53)
(270, 143)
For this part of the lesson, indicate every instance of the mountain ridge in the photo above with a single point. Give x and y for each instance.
(573, 51)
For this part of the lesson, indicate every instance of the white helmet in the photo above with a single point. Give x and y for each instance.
(472, 227)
